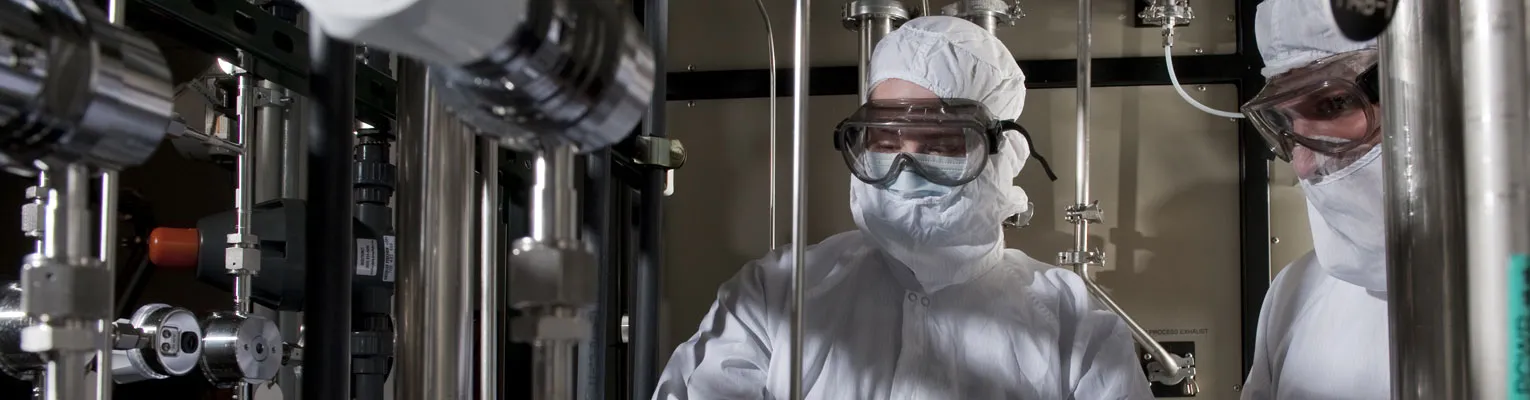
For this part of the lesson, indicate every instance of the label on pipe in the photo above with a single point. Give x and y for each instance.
(366, 257)
(388, 260)
(1519, 327)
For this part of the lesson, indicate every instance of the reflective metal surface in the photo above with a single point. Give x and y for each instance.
(80, 89)
(573, 72)
(173, 347)
(240, 349)
(1494, 121)
(1425, 218)
(433, 311)
(14, 361)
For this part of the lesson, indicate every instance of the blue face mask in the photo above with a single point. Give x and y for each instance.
(911, 185)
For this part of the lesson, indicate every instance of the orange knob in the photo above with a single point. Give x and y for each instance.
(174, 247)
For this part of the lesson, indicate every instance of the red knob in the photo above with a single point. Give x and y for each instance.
(174, 247)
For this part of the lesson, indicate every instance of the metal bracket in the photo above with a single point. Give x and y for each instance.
(658, 152)
(1075, 258)
(1159, 12)
(1088, 213)
(271, 98)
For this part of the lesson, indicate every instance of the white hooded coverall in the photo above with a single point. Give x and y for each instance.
(1323, 327)
(923, 301)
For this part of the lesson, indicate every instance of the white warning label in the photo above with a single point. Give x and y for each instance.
(388, 258)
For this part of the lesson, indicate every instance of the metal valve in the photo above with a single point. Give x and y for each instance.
(239, 348)
(158, 342)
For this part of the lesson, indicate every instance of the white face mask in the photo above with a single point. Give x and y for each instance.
(943, 239)
(1345, 211)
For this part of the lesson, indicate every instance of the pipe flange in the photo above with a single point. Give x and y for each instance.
(14, 361)
(998, 10)
(240, 348)
(857, 11)
(173, 348)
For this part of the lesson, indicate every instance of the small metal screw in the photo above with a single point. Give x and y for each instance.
(165, 347)
(1121, 17)
(1275, 240)
(166, 334)
(690, 104)
(690, 68)
(1237, 388)
(1200, 50)
(1232, 19)
(1200, 88)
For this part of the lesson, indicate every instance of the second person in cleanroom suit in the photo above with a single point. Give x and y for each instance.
(1323, 326)
(923, 301)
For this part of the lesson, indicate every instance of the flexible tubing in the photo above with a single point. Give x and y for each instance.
(1168, 59)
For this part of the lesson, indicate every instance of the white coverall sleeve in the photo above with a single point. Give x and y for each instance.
(1109, 361)
(729, 356)
(1103, 355)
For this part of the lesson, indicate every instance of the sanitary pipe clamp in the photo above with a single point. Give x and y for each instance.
(855, 12)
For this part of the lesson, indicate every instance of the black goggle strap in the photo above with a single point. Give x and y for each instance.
(1370, 83)
(996, 139)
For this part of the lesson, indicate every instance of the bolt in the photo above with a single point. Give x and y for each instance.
(1232, 19)
(690, 104)
(1201, 88)
(1237, 388)
(1200, 50)
(690, 68)
(1274, 240)
(165, 347)
(165, 334)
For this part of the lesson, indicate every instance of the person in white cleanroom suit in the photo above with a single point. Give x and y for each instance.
(1323, 326)
(923, 301)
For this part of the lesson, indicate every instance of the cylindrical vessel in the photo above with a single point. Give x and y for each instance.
(1494, 125)
(270, 125)
(436, 222)
(1426, 242)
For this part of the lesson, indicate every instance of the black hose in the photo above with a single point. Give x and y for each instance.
(328, 276)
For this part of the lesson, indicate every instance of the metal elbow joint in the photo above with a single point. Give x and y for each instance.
(75, 88)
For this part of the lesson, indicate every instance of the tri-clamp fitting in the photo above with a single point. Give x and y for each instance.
(986, 13)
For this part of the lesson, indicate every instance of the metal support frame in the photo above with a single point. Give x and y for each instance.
(328, 279)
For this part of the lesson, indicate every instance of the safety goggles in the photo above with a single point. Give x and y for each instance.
(1327, 107)
(946, 141)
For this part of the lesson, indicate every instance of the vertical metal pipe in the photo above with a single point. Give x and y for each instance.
(555, 211)
(489, 297)
(244, 193)
(800, 20)
(67, 233)
(327, 280)
(605, 357)
(873, 29)
(1426, 254)
(117, 15)
(986, 20)
(436, 219)
(770, 46)
(553, 364)
(294, 151)
(1494, 119)
(1081, 146)
(268, 155)
(650, 259)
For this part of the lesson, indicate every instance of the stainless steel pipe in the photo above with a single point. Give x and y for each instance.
(269, 129)
(555, 211)
(1425, 218)
(800, 18)
(436, 221)
(490, 300)
(873, 28)
(1494, 77)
